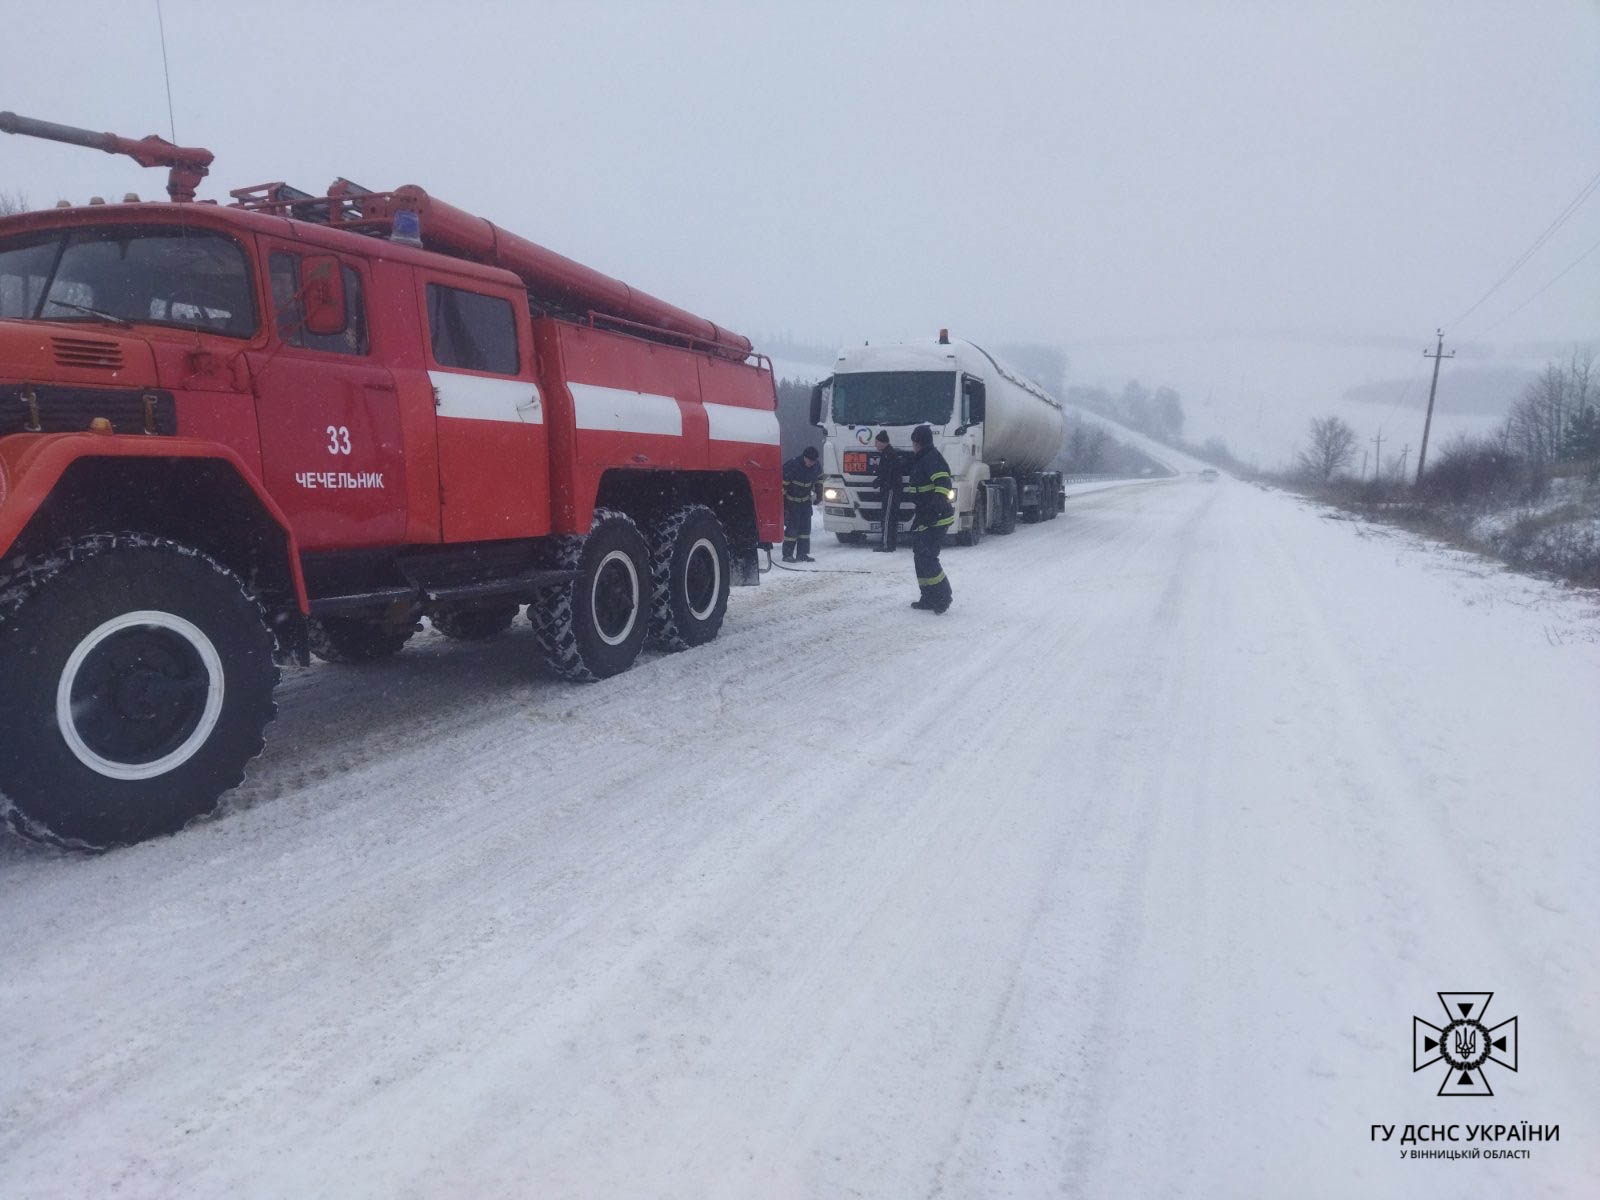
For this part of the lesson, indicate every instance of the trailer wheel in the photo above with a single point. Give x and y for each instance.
(1005, 490)
(138, 683)
(980, 519)
(690, 578)
(594, 626)
(854, 538)
(352, 640)
(474, 624)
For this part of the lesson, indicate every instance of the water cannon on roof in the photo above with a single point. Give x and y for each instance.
(186, 165)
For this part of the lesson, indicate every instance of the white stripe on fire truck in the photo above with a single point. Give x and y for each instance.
(475, 398)
(730, 423)
(617, 410)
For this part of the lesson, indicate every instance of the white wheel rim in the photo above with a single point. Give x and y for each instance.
(615, 556)
(703, 546)
(210, 714)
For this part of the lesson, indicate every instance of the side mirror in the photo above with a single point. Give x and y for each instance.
(816, 405)
(324, 299)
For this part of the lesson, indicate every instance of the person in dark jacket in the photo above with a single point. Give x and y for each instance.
(930, 485)
(887, 481)
(802, 487)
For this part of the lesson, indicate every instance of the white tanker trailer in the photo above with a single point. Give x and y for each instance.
(997, 430)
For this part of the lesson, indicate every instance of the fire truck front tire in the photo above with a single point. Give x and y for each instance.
(594, 626)
(474, 624)
(689, 571)
(349, 640)
(138, 684)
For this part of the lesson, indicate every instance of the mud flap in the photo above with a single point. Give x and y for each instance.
(744, 565)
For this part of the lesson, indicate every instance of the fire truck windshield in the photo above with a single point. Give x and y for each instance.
(157, 275)
(893, 397)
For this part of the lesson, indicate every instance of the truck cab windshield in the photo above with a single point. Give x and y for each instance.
(893, 397)
(157, 276)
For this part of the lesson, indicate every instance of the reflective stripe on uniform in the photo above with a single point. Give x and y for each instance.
(932, 580)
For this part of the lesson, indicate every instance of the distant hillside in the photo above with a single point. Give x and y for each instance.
(1482, 391)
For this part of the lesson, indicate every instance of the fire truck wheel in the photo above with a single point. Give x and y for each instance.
(689, 569)
(594, 627)
(474, 624)
(138, 683)
(349, 640)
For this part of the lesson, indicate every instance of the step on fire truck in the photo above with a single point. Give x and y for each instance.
(234, 436)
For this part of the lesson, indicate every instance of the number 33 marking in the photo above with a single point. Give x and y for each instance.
(338, 439)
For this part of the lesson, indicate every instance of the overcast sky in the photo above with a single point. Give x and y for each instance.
(1259, 204)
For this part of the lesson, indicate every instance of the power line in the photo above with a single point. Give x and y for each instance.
(1550, 230)
(1416, 374)
(1541, 291)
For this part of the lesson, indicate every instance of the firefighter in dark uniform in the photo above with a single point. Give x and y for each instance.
(802, 487)
(887, 481)
(930, 485)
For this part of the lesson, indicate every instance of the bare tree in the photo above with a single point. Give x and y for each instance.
(1332, 448)
(12, 202)
(1537, 427)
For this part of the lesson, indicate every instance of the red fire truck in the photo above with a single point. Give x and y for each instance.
(233, 436)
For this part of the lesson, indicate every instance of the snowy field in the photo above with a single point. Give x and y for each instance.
(1123, 879)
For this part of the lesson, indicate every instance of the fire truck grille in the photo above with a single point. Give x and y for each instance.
(26, 408)
(87, 352)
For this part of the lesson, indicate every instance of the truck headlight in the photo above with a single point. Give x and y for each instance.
(834, 493)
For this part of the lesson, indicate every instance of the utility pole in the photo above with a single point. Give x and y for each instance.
(1405, 452)
(1427, 424)
(1377, 458)
(1363, 464)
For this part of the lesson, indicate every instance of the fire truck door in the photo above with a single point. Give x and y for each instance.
(493, 441)
(329, 418)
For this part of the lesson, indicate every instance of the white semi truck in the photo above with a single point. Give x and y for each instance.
(998, 431)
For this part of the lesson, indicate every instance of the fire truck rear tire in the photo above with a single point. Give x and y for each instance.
(689, 573)
(138, 684)
(594, 626)
(474, 624)
(350, 640)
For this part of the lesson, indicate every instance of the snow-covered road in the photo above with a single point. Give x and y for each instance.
(1123, 879)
